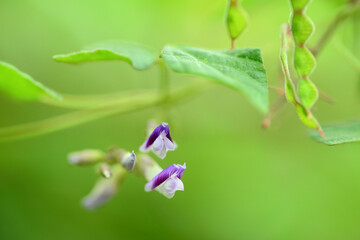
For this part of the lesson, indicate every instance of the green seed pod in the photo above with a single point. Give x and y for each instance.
(304, 117)
(308, 93)
(236, 20)
(304, 61)
(302, 28)
(299, 4)
(289, 92)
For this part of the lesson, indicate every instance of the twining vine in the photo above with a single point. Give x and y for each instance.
(241, 69)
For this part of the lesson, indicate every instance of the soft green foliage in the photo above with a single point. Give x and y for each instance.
(308, 93)
(299, 4)
(241, 69)
(20, 86)
(302, 28)
(339, 133)
(304, 61)
(139, 56)
(236, 20)
(309, 121)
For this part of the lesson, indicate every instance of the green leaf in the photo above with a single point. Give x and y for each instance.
(236, 20)
(304, 61)
(299, 4)
(241, 69)
(20, 86)
(339, 133)
(308, 92)
(139, 56)
(302, 28)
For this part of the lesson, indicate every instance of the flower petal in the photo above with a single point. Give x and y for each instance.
(162, 153)
(158, 144)
(168, 136)
(169, 144)
(161, 177)
(170, 185)
(179, 185)
(151, 139)
(181, 170)
(143, 147)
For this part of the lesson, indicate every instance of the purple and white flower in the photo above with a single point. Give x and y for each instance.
(168, 181)
(160, 141)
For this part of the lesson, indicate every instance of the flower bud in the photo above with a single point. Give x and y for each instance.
(105, 170)
(128, 161)
(86, 157)
(105, 189)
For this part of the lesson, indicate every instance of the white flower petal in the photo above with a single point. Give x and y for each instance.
(158, 144)
(170, 185)
(179, 184)
(169, 144)
(143, 147)
(162, 153)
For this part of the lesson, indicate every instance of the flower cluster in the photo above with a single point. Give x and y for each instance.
(167, 181)
(114, 165)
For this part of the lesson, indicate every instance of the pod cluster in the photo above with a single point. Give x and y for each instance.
(304, 61)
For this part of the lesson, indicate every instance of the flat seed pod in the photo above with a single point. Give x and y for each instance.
(299, 4)
(308, 93)
(236, 20)
(304, 61)
(302, 28)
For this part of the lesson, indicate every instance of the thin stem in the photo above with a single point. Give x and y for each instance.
(275, 107)
(278, 90)
(164, 82)
(349, 57)
(71, 101)
(164, 88)
(232, 44)
(130, 104)
(326, 97)
(351, 8)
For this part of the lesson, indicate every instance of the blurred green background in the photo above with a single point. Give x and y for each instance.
(241, 182)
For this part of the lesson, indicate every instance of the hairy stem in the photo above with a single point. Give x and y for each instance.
(164, 89)
(72, 101)
(351, 8)
(130, 104)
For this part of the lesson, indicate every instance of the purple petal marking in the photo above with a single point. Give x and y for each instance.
(169, 137)
(181, 170)
(156, 133)
(175, 170)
